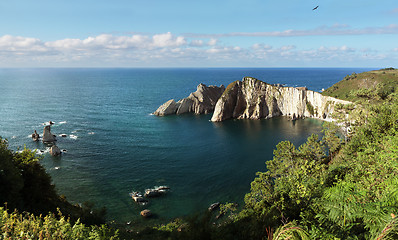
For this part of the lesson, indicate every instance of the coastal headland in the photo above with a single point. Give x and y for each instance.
(253, 99)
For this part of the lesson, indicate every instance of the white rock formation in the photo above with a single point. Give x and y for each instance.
(167, 108)
(202, 101)
(254, 99)
(47, 135)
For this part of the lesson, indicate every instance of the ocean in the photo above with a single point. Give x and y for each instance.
(115, 146)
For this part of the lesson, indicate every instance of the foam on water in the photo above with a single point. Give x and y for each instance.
(73, 136)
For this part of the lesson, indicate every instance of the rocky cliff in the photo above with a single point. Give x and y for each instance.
(202, 101)
(254, 99)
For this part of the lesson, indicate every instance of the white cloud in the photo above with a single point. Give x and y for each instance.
(20, 44)
(167, 40)
(212, 42)
(167, 49)
(196, 43)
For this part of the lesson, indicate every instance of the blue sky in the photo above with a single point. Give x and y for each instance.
(234, 33)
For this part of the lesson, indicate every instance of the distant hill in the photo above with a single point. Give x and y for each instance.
(372, 85)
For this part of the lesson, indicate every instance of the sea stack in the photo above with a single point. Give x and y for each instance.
(35, 136)
(202, 101)
(47, 135)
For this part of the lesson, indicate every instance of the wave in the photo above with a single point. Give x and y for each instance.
(73, 136)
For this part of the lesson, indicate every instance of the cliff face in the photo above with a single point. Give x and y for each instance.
(254, 99)
(202, 101)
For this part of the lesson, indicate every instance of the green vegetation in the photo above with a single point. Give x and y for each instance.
(310, 108)
(28, 226)
(373, 85)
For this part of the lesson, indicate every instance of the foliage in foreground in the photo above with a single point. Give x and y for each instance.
(25, 185)
(28, 226)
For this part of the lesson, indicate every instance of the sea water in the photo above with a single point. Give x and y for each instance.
(115, 146)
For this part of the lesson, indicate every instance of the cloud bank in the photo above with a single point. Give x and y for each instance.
(169, 50)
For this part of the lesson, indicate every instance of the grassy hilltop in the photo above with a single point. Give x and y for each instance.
(375, 85)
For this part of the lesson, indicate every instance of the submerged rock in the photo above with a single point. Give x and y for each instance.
(152, 193)
(214, 206)
(202, 101)
(138, 198)
(47, 135)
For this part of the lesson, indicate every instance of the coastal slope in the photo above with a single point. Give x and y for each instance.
(254, 99)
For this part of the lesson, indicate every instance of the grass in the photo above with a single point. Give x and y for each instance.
(382, 80)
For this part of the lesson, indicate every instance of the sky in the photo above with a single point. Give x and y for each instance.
(217, 33)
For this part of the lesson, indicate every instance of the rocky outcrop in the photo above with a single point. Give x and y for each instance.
(202, 101)
(254, 99)
(35, 136)
(55, 151)
(47, 135)
(146, 213)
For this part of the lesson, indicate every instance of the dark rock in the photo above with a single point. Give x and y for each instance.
(54, 151)
(35, 136)
(214, 206)
(47, 135)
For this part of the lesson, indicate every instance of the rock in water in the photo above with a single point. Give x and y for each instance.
(202, 101)
(214, 206)
(47, 135)
(167, 108)
(35, 136)
(254, 99)
(146, 213)
(55, 151)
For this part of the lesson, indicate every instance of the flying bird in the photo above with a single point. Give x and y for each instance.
(315, 8)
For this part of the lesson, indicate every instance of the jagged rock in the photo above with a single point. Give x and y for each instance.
(167, 108)
(55, 151)
(202, 101)
(47, 135)
(152, 193)
(184, 106)
(254, 99)
(35, 136)
(138, 198)
(146, 213)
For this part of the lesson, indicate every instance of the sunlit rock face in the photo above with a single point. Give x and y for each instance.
(254, 99)
(202, 101)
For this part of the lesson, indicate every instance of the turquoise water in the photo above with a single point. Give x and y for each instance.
(115, 146)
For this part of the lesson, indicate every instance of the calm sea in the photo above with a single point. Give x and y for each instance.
(115, 146)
